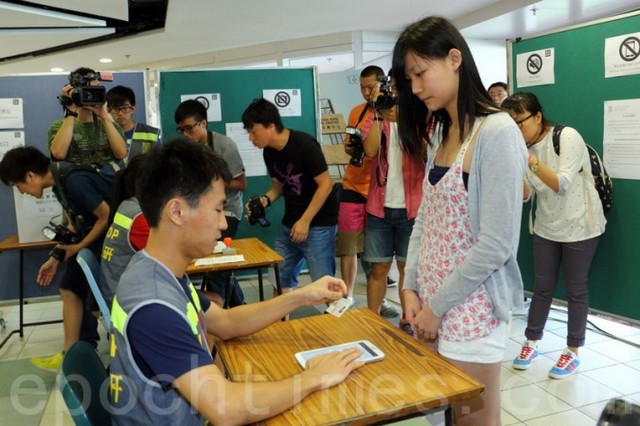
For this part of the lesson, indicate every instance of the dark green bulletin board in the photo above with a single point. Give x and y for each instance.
(577, 100)
(237, 89)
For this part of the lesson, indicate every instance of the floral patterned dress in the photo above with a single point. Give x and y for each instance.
(446, 240)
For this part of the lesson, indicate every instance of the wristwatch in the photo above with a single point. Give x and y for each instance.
(534, 166)
(69, 113)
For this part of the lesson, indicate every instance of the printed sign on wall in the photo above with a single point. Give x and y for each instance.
(211, 101)
(288, 101)
(622, 55)
(535, 68)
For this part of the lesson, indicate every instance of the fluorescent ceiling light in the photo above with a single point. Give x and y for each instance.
(56, 69)
(81, 20)
(105, 60)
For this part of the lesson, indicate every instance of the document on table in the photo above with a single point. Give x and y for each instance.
(219, 259)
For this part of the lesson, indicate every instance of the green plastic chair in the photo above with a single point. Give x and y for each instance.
(84, 384)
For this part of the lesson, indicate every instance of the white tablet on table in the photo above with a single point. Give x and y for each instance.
(370, 352)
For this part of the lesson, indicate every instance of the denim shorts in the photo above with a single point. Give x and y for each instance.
(387, 237)
(319, 250)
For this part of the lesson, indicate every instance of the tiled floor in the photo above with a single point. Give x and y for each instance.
(609, 369)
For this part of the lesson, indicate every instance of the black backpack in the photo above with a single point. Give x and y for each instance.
(601, 178)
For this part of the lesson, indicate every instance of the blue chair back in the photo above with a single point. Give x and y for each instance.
(91, 269)
(84, 384)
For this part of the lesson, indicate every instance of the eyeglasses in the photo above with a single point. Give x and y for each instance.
(188, 127)
(520, 122)
(121, 110)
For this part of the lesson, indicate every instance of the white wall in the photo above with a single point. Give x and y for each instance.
(491, 59)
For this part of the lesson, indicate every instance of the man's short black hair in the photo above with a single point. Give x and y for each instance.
(190, 108)
(120, 95)
(19, 161)
(261, 111)
(499, 84)
(178, 168)
(372, 71)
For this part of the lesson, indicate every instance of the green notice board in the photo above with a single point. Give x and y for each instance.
(237, 89)
(577, 100)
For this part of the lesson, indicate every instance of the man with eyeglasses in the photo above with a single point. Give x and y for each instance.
(121, 103)
(191, 119)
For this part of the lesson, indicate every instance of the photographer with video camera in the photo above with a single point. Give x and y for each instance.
(394, 195)
(87, 134)
(352, 214)
(84, 195)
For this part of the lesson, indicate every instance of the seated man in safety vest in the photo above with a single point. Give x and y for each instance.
(161, 367)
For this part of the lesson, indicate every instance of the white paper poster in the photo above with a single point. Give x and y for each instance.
(10, 139)
(288, 101)
(211, 101)
(11, 115)
(535, 68)
(33, 214)
(622, 55)
(251, 156)
(621, 139)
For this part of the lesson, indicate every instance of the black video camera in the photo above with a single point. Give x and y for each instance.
(356, 144)
(387, 99)
(257, 212)
(85, 94)
(61, 234)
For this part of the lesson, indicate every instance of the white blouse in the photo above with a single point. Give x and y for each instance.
(575, 212)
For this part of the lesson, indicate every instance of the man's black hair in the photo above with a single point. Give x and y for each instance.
(372, 71)
(19, 161)
(499, 84)
(190, 108)
(179, 168)
(261, 111)
(120, 95)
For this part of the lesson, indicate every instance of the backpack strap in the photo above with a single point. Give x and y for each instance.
(557, 129)
(61, 171)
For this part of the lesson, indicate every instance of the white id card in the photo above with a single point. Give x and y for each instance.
(339, 307)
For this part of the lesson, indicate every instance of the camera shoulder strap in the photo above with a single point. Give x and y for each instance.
(364, 111)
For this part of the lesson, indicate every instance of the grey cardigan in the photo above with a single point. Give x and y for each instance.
(495, 188)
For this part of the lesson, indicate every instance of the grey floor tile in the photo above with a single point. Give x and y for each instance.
(571, 417)
(530, 401)
(620, 377)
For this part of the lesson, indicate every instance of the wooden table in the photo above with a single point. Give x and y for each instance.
(410, 381)
(11, 243)
(257, 255)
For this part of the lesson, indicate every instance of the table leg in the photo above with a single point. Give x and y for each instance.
(448, 416)
(260, 288)
(229, 293)
(21, 298)
(277, 273)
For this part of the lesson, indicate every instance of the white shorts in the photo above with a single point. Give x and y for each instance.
(485, 350)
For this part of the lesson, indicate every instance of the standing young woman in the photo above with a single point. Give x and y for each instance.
(568, 223)
(462, 278)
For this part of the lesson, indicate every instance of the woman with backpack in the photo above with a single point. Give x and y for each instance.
(569, 221)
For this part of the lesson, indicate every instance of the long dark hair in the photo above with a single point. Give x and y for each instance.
(433, 37)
